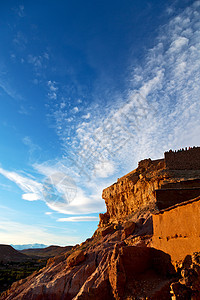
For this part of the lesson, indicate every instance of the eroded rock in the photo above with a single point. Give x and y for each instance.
(75, 258)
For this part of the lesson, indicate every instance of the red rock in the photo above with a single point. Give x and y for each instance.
(107, 230)
(103, 219)
(75, 258)
(129, 228)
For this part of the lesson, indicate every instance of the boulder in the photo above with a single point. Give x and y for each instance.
(75, 258)
(129, 228)
(107, 230)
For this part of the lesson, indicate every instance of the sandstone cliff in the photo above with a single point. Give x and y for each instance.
(140, 190)
(139, 250)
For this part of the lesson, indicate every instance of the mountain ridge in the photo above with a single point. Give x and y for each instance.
(28, 246)
(9, 254)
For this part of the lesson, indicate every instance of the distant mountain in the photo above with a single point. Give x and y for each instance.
(46, 252)
(9, 254)
(28, 246)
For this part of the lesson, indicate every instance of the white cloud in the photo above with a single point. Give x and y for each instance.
(78, 219)
(152, 84)
(62, 105)
(75, 110)
(18, 233)
(58, 190)
(178, 44)
(48, 213)
(52, 95)
(32, 188)
(53, 89)
(31, 197)
(81, 203)
(87, 116)
(104, 169)
(52, 86)
(64, 192)
(46, 55)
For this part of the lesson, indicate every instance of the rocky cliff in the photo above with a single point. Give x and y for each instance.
(140, 190)
(132, 254)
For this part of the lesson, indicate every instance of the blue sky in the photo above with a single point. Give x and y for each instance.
(87, 89)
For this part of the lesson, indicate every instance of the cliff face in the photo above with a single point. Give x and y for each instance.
(138, 251)
(140, 190)
(135, 191)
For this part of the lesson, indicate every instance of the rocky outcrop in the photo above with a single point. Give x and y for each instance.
(75, 258)
(188, 286)
(150, 187)
(133, 192)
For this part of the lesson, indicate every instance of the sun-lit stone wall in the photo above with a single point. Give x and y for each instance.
(176, 230)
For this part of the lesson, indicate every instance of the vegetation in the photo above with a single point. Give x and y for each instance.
(14, 271)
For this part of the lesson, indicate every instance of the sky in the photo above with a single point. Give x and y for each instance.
(87, 89)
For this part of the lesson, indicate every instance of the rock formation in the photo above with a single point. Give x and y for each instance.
(146, 246)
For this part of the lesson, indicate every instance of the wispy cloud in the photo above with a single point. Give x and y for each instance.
(52, 94)
(34, 150)
(17, 233)
(4, 85)
(31, 187)
(87, 116)
(57, 189)
(36, 61)
(20, 11)
(75, 110)
(5, 186)
(78, 219)
(20, 41)
(22, 110)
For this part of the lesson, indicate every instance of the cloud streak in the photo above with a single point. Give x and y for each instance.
(15, 232)
(31, 187)
(78, 219)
